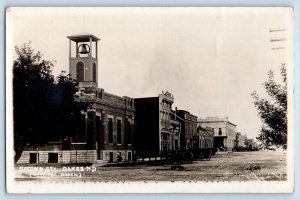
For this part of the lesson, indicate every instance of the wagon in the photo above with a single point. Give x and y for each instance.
(204, 153)
(189, 155)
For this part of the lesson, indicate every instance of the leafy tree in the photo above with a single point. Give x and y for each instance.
(68, 116)
(44, 109)
(32, 89)
(273, 111)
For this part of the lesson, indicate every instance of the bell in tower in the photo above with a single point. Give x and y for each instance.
(84, 49)
(83, 59)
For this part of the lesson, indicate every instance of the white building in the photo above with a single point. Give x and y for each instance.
(224, 131)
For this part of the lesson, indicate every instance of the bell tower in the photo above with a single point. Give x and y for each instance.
(83, 59)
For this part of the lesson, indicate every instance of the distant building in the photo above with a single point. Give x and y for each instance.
(188, 128)
(224, 131)
(156, 130)
(204, 137)
(176, 126)
(251, 144)
(241, 140)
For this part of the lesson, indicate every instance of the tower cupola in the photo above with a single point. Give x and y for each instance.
(83, 59)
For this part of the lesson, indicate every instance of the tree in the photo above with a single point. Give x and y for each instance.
(68, 116)
(32, 89)
(273, 111)
(44, 109)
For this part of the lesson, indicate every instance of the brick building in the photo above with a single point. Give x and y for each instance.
(176, 129)
(188, 128)
(224, 131)
(204, 137)
(109, 119)
(156, 130)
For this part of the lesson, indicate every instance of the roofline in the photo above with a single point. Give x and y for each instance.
(188, 113)
(183, 111)
(145, 98)
(72, 37)
(211, 121)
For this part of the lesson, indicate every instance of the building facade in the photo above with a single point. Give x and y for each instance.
(188, 128)
(109, 119)
(176, 131)
(224, 132)
(241, 140)
(156, 130)
(251, 144)
(204, 138)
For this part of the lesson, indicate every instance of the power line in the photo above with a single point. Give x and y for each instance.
(277, 48)
(277, 39)
(277, 30)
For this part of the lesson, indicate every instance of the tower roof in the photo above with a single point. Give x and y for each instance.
(83, 37)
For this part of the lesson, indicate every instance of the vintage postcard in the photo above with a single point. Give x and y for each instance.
(149, 100)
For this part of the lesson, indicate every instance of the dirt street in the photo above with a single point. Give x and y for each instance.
(232, 166)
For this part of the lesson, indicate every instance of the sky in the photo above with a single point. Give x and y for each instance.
(210, 59)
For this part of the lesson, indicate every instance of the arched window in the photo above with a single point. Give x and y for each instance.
(94, 72)
(80, 71)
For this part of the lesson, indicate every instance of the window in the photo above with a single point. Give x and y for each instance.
(119, 131)
(165, 148)
(220, 131)
(94, 73)
(128, 132)
(80, 71)
(98, 127)
(129, 156)
(111, 157)
(53, 158)
(33, 158)
(165, 136)
(176, 145)
(110, 130)
(119, 157)
(98, 136)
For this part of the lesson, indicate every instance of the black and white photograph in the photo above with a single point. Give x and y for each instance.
(149, 99)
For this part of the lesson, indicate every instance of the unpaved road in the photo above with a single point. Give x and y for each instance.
(234, 166)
